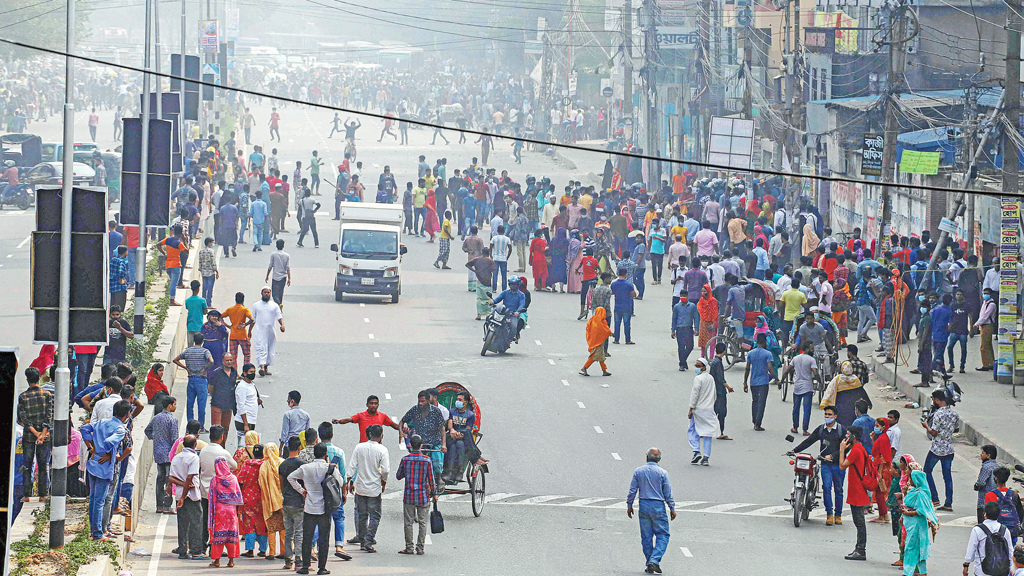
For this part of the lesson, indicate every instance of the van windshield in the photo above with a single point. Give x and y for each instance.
(369, 244)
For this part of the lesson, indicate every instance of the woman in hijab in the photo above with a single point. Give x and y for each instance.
(573, 258)
(225, 498)
(272, 498)
(840, 305)
(918, 520)
(810, 240)
(431, 226)
(702, 416)
(43, 362)
(597, 332)
(252, 438)
(707, 308)
(538, 261)
(155, 382)
(843, 392)
(215, 337)
(881, 453)
(251, 521)
(759, 235)
(559, 252)
(762, 327)
(858, 249)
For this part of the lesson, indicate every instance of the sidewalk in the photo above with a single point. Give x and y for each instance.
(988, 411)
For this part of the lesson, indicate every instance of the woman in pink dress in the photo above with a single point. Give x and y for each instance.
(431, 226)
(573, 259)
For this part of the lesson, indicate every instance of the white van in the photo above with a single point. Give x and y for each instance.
(369, 250)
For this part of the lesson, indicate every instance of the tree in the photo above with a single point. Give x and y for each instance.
(39, 24)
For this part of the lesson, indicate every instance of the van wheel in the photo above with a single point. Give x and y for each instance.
(338, 295)
(394, 298)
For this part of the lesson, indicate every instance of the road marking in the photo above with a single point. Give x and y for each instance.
(726, 507)
(382, 374)
(616, 456)
(550, 361)
(604, 385)
(428, 541)
(367, 320)
(537, 341)
(686, 552)
(376, 354)
(387, 396)
(768, 510)
(10, 255)
(25, 241)
(598, 430)
(158, 545)
(362, 304)
(580, 404)
(500, 496)
(371, 336)
(565, 382)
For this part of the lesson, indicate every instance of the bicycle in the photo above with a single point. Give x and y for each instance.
(736, 347)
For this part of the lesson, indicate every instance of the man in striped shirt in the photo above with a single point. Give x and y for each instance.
(418, 473)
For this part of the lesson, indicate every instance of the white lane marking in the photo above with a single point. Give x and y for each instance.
(550, 361)
(382, 374)
(500, 496)
(580, 404)
(538, 342)
(158, 545)
(604, 385)
(598, 430)
(10, 255)
(768, 510)
(585, 501)
(565, 382)
(686, 552)
(387, 396)
(371, 336)
(362, 304)
(367, 320)
(616, 456)
(25, 241)
(726, 507)
(376, 354)
(540, 499)
(428, 541)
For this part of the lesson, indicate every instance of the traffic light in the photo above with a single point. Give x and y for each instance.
(89, 265)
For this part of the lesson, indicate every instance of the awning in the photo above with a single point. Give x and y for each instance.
(929, 140)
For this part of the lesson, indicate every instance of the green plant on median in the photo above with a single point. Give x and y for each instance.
(140, 352)
(81, 550)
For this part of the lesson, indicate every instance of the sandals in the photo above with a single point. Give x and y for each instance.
(584, 372)
(606, 373)
(407, 551)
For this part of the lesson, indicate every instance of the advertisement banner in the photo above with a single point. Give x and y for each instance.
(871, 155)
(209, 40)
(1009, 257)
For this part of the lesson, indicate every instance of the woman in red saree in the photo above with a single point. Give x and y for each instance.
(251, 521)
(881, 453)
(707, 308)
(225, 498)
(431, 226)
(539, 261)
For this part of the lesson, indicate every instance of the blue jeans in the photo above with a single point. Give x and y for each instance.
(758, 400)
(832, 482)
(242, 228)
(684, 345)
(947, 476)
(759, 274)
(339, 526)
(500, 267)
(173, 277)
(464, 229)
(421, 220)
(197, 392)
(638, 281)
(653, 525)
(208, 282)
(97, 495)
(953, 339)
(938, 346)
(257, 235)
(787, 327)
(253, 538)
(621, 317)
(698, 443)
(804, 399)
(131, 266)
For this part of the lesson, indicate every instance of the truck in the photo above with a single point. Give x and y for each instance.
(369, 250)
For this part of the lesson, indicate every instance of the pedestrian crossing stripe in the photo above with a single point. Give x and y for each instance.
(695, 506)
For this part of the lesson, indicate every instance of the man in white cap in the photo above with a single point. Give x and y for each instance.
(264, 341)
(703, 420)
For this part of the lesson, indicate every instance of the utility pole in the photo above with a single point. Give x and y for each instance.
(627, 69)
(702, 65)
(787, 81)
(140, 252)
(897, 65)
(61, 414)
(545, 89)
(748, 55)
(156, 63)
(651, 125)
(1011, 185)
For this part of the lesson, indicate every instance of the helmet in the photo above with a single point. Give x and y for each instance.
(9, 163)
(514, 280)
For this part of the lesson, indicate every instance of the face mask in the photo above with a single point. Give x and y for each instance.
(987, 296)
(829, 420)
(698, 370)
(920, 298)
(250, 375)
(878, 430)
(459, 404)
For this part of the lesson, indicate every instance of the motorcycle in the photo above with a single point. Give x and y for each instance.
(20, 196)
(500, 331)
(804, 498)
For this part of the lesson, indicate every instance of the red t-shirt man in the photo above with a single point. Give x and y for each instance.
(589, 265)
(856, 494)
(365, 419)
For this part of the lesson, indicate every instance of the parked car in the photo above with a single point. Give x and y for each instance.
(53, 173)
(54, 151)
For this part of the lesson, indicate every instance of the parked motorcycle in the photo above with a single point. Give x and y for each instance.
(500, 328)
(807, 478)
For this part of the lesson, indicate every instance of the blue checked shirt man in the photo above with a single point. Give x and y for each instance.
(416, 470)
(650, 482)
(120, 277)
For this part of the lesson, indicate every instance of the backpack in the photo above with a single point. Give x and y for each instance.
(868, 476)
(332, 490)
(997, 555)
(1008, 516)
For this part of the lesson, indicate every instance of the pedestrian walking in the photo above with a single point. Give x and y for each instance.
(184, 480)
(597, 334)
(316, 516)
(309, 208)
(804, 369)
(259, 212)
(685, 323)
(717, 371)
(195, 307)
(195, 360)
(623, 291)
(486, 271)
(702, 413)
(985, 550)
(760, 371)
(264, 341)
(292, 504)
(473, 246)
(163, 431)
(986, 482)
(940, 426)
(444, 242)
(222, 520)
(281, 270)
(416, 469)
(207, 264)
(367, 476)
(296, 420)
(853, 455)
(986, 324)
(238, 318)
(651, 485)
(35, 413)
(221, 383)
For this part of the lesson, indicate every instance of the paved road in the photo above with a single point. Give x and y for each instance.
(562, 447)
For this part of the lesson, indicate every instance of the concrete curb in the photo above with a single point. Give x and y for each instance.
(970, 431)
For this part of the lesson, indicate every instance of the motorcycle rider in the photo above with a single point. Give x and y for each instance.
(10, 175)
(829, 434)
(514, 301)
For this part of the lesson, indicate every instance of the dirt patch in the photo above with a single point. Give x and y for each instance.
(49, 563)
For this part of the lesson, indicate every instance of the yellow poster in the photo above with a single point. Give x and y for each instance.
(846, 40)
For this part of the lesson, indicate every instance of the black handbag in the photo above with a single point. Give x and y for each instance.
(436, 521)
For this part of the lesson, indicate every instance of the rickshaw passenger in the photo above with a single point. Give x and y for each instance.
(773, 342)
(461, 424)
